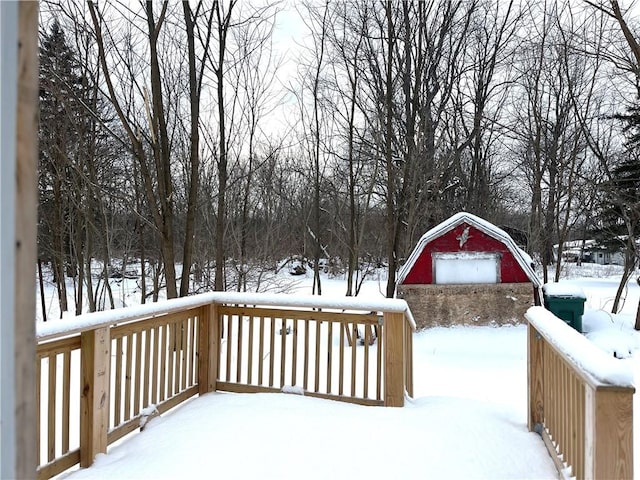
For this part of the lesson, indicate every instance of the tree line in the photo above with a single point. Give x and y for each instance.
(198, 141)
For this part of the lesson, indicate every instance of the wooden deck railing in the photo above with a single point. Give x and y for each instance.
(102, 377)
(580, 401)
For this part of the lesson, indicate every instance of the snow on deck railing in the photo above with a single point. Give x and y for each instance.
(100, 373)
(580, 400)
(590, 360)
(67, 326)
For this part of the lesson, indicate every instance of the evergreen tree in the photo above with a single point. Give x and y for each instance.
(619, 213)
(68, 142)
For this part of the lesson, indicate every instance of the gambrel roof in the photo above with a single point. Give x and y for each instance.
(521, 257)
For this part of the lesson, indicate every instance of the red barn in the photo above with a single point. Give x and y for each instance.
(468, 271)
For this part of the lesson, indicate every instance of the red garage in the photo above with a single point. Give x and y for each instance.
(468, 271)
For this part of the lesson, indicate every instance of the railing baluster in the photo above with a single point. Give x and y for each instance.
(365, 379)
(261, 351)
(117, 408)
(193, 361)
(229, 346)
(283, 350)
(39, 361)
(562, 404)
(51, 414)
(239, 349)
(341, 359)
(354, 358)
(185, 357)
(66, 400)
(157, 354)
(379, 364)
(171, 366)
(575, 418)
(294, 353)
(272, 340)
(250, 351)
(147, 367)
(329, 354)
(569, 423)
(218, 328)
(138, 374)
(316, 376)
(580, 416)
(191, 344)
(553, 394)
(305, 373)
(127, 382)
(224, 345)
(179, 356)
(164, 352)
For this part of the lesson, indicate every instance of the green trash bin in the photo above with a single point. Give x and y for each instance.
(566, 302)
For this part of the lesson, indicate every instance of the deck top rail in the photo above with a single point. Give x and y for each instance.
(90, 321)
(580, 400)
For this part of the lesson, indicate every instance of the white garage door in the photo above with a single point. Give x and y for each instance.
(466, 268)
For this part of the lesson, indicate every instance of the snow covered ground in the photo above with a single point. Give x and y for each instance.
(467, 418)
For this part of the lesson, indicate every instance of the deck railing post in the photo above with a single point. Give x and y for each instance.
(535, 370)
(394, 359)
(609, 431)
(94, 397)
(208, 348)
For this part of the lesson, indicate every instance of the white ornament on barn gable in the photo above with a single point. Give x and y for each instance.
(463, 237)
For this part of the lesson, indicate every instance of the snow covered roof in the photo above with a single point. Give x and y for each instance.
(523, 259)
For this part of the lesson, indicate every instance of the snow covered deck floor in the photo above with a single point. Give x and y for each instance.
(468, 420)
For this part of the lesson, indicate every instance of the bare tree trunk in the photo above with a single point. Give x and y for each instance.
(87, 269)
(43, 303)
(630, 263)
(162, 152)
(195, 87)
(106, 260)
(223, 23)
(390, 170)
(636, 326)
(159, 188)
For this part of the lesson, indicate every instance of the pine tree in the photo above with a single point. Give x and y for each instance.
(619, 215)
(63, 132)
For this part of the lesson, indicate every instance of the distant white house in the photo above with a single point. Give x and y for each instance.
(590, 251)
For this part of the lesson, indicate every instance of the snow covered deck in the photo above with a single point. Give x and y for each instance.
(473, 395)
(101, 375)
(467, 420)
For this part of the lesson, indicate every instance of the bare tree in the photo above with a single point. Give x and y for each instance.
(314, 123)
(196, 75)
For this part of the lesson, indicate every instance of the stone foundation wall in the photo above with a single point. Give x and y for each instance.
(485, 304)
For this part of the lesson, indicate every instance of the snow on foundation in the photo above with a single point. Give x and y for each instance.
(583, 353)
